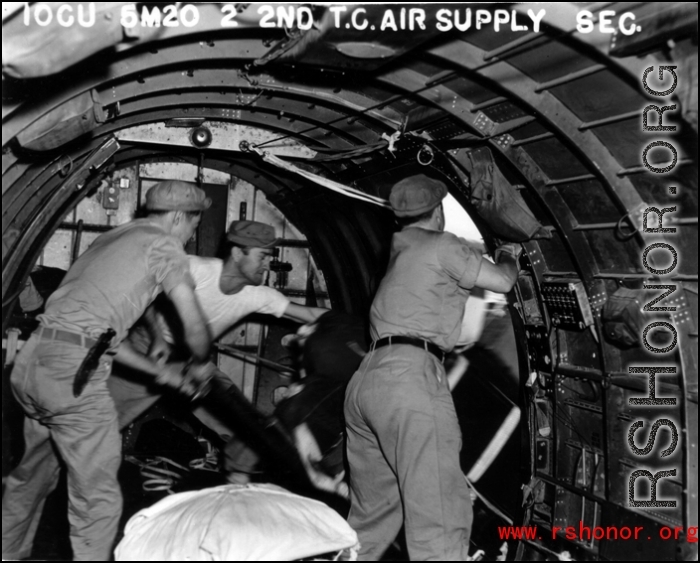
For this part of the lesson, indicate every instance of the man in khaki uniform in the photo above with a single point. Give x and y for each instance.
(227, 291)
(104, 293)
(403, 439)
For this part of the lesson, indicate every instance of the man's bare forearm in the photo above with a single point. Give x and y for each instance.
(198, 340)
(500, 277)
(197, 335)
(166, 374)
(151, 322)
(303, 314)
(509, 266)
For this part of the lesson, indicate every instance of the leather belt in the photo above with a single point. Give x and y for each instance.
(434, 349)
(66, 336)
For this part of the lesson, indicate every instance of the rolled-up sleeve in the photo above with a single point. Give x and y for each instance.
(271, 301)
(459, 260)
(168, 263)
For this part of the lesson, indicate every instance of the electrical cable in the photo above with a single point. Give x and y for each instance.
(352, 153)
(471, 140)
(571, 426)
(593, 399)
(390, 100)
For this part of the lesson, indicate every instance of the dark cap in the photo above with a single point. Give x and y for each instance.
(416, 195)
(252, 233)
(174, 195)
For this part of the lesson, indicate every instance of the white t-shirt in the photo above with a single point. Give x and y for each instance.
(223, 311)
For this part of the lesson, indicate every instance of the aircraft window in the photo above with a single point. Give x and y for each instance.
(458, 221)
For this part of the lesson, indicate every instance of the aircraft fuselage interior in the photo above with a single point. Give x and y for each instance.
(569, 129)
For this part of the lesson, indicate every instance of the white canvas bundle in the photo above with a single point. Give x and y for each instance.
(236, 523)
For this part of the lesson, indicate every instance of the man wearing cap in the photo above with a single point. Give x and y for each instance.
(60, 376)
(403, 436)
(228, 290)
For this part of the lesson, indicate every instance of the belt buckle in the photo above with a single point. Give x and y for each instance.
(47, 333)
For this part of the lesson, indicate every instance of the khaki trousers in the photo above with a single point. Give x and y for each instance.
(403, 454)
(83, 431)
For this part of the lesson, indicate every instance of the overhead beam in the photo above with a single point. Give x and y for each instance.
(224, 136)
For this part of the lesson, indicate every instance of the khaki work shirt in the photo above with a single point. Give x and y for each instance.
(114, 281)
(425, 288)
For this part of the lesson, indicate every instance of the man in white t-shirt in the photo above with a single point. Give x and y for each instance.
(227, 292)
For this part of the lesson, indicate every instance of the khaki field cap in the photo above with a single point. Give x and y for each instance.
(416, 195)
(174, 195)
(252, 233)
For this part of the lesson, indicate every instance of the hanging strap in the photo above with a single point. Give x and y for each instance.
(321, 181)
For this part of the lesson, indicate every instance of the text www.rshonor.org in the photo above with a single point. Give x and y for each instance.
(587, 533)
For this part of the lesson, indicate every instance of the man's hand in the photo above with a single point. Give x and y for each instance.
(310, 456)
(198, 376)
(200, 372)
(171, 375)
(160, 351)
(510, 249)
(178, 376)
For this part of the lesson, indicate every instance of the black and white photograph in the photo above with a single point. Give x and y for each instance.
(350, 281)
